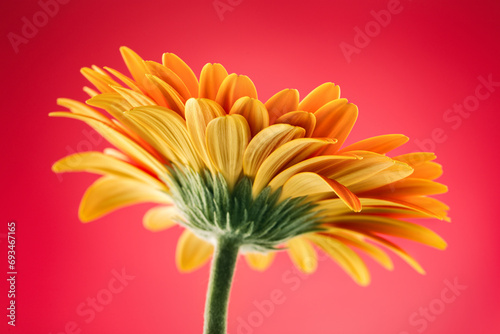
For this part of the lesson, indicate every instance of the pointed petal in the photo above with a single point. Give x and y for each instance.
(286, 156)
(133, 98)
(408, 187)
(304, 119)
(394, 173)
(97, 162)
(160, 218)
(265, 142)
(99, 80)
(82, 109)
(303, 254)
(122, 142)
(227, 139)
(313, 185)
(167, 97)
(113, 103)
(192, 252)
(136, 66)
(234, 87)
(380, 144)
(211, 78)
(169, 76)
(254, 112)
(320, 96)
(281, 103)
(126, 80)
(199, 112)
(344, 256)
(258, 261)
(335, 120)
(183, 71)
(110, 193)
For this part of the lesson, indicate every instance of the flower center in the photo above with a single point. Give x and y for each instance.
(210, 209)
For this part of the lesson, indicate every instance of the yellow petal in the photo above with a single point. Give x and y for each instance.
(166, 131)
(211, 78)
(281, 103)
(335, 120)
(265, 142)
(234, 87)
(391, 174)
(344, 256)
(110, 193)
(380, 144)
(126, 80)
(183, 71)
(169, 76)
(113, 103)
(133, 98)
(122, 142)
(90, 92)
(317, 186)
(286, 156)
(100, 81)
(160, 218)
(227, 139)
(304, 119)
(408, 187)
(303, 254)
(167, 97)
(97, 162)
(352, 238)
(136, 66)
(393, 227)
(320, 96)
(258, 261)
(315, 164)
(199, 112)
(82, 109)
(192, 252)
(254, 112)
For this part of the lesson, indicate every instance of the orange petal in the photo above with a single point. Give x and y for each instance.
(281, 103)
(136, 66)
(183, 71)
(232, 88)
(211, 78)
(170, 78)
(304, 119)
(254, 112)
(320, 96)
(380, 144)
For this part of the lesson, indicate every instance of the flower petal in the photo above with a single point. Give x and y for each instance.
(136, 66)
(254, 112)
(303, 254)
(179, 67)
(265, 142)
(83, 109)
(99, 80)
(199, 112)
(167, 97)
(344, 256)
(304, 119)
(258, 261)
(133, 98)
(168, 76)
(391, 174)
(314, 185)
(234, 87)
(320, 96)
(192, 252)
(110, 193)
(227, 139)
(286, 156)
(281, 103)
(408, 187)
(211, 77)
(335, 120)
(160, 218)
(379, 144)
(97, 162)
(126, 80)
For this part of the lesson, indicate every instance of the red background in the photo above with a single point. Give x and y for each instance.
(426, 59)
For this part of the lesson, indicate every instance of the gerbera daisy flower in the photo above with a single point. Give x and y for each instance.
(245, 176)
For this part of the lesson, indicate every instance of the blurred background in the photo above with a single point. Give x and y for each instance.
(426, 69)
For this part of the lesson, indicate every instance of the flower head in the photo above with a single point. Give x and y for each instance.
(271, 176)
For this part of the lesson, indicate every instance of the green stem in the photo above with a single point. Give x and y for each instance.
(219, 286)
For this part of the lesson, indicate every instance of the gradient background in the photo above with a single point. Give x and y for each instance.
(426, 59)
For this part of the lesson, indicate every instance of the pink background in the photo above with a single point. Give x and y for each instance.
(427, 59)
